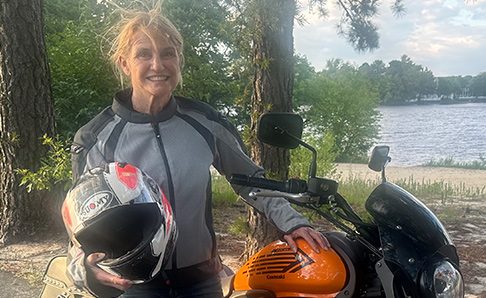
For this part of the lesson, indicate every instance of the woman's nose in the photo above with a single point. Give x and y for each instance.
(156, 63)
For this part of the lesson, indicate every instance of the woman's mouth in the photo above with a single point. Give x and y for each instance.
(158, 78)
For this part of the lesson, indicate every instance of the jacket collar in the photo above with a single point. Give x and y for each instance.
(122, 106)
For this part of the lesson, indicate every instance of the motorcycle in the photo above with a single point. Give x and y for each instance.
(403, 252)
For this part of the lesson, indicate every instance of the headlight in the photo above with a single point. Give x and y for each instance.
(447, 281)
(441, 279)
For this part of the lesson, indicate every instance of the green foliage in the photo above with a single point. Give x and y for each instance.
(401, 81)
(454, 87)
(240, 226)
(407, 81)
(224, 196)
(223, 193)
(448, 87)
(449, 162)
(300, 157)
(342, 102)
(376, 73)
(208, 74)
(82, 78)
(478, 85)
(55, 168)
(303, 73)
(357, 24)
(357, 190)
(426, 189)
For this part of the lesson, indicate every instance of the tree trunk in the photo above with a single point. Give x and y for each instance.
(273, 85)
(26, 113)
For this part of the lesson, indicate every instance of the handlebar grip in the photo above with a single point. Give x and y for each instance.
(290, 186)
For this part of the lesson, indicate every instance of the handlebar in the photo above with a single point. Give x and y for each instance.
(294, 186)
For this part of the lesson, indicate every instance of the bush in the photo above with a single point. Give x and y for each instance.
(343, 104)
(301, 157)
(55, 170)
(82, 79)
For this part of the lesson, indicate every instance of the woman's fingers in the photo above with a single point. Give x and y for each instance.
(104, 277)
(315, 239)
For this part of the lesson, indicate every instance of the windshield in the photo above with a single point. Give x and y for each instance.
(409, 232)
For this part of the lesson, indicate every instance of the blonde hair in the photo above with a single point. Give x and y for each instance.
(151, 22)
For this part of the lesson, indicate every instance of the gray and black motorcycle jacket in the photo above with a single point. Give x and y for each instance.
(176, 148)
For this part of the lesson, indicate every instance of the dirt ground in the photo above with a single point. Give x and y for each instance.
(22, 264)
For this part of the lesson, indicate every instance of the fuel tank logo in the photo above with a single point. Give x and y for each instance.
(278, 262)
(278, 276)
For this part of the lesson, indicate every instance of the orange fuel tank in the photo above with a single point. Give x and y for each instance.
(287, 274)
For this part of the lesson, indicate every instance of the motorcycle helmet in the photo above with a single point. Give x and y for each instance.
(120, 211)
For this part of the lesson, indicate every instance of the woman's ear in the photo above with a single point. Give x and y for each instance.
(124, 65)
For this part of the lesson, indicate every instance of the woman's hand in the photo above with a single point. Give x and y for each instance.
(104, 277)
(315, 239)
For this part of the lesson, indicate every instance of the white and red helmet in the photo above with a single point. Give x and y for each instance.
(120, 211)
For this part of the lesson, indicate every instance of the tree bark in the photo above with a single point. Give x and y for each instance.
(26, 114)
(273, 85)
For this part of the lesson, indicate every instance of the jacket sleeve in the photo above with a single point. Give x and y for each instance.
(82, 151)
(231, 158)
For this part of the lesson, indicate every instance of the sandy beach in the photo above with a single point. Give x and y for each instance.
(452, 176)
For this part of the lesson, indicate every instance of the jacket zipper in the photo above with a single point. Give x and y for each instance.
(158, 137)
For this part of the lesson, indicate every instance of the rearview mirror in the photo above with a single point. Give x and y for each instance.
(379, 158)
(282, 130)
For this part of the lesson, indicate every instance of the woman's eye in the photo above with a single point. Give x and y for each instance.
(144, 54)
(168, 53)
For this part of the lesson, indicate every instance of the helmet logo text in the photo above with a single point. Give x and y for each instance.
(95, 204)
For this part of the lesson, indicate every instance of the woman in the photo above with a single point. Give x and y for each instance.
(174, 140)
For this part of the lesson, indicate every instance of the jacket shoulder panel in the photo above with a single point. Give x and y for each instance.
(86, 138)
(211, 114)
(86, 135)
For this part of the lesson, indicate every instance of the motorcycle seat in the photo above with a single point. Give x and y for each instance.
(229, 291)
(227, 285)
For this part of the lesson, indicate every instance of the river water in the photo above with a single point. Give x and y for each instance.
(417, 134)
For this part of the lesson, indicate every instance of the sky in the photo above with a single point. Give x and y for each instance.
(446, 36)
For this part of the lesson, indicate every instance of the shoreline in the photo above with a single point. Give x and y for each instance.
(453, 176)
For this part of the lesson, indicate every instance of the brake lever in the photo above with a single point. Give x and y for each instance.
(300, 198)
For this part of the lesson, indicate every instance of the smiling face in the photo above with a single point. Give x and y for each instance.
(153, 66)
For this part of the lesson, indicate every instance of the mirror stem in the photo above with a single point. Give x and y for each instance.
(313, 165)
(383, 176)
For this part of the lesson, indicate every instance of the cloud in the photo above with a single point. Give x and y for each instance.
(447, 36)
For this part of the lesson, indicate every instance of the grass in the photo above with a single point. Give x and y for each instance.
(223, 194)
(449, 162)
(354, 189)
(33, 276)
(240, 226)
(357, 190)
(440, 189)
(440, 193)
